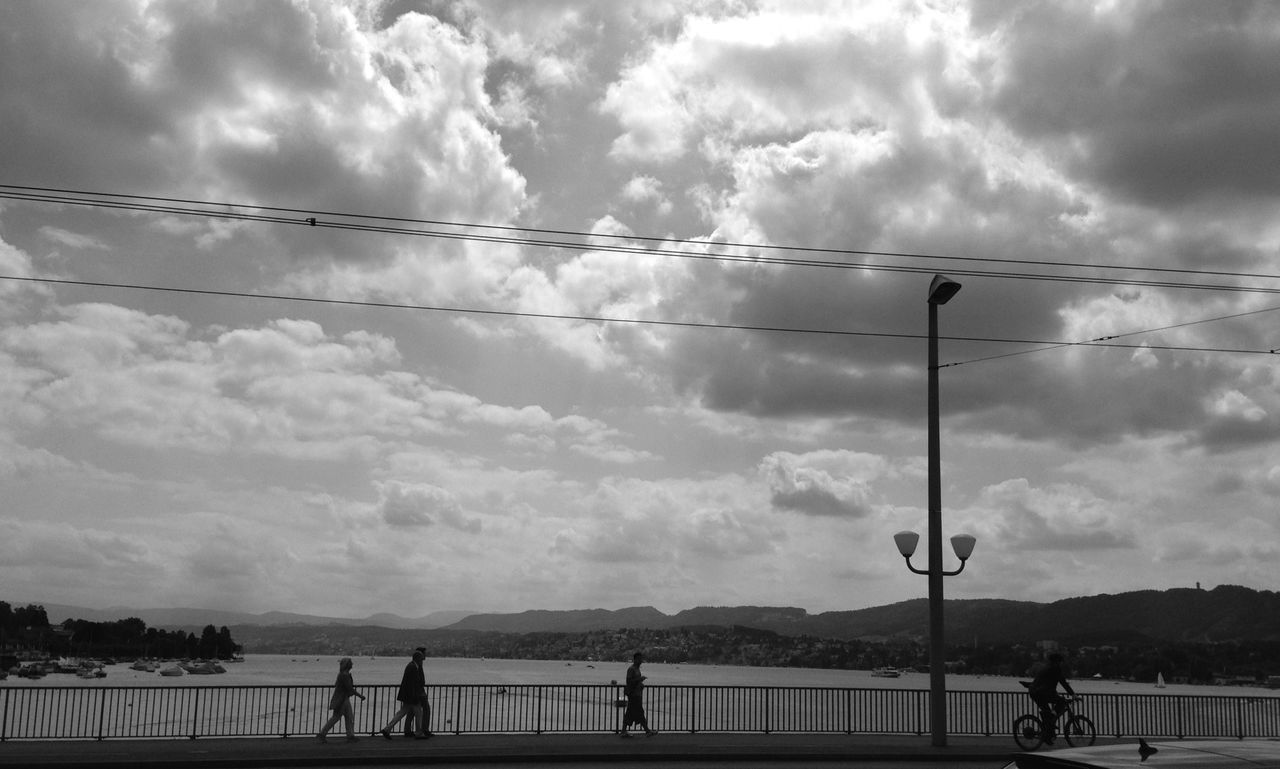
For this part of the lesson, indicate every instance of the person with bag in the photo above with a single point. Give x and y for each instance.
(633, 690)
(344, 688)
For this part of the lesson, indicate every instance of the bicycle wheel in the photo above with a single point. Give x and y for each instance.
(1080, 732)
(1027, 731)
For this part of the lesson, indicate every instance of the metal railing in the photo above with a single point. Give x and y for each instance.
(101, 712)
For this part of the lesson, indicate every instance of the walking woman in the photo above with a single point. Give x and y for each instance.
(340, 703)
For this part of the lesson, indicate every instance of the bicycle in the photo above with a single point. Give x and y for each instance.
(1078, 730)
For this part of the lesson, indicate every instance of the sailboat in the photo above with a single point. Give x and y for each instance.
(1159, 680)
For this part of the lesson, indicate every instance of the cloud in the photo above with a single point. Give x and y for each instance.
(1143, 95)
(825, 483)
(421, 505)
(1061, 517)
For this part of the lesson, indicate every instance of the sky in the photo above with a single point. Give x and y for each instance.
(624, 304)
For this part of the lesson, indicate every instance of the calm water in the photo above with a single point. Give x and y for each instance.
(265, 669)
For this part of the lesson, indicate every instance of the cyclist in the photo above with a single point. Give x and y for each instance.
(1044, 692)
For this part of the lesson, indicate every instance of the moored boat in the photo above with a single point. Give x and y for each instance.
(885, 672)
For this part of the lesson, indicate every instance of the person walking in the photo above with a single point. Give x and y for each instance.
(410, 721)
(411, 695)
(633, 690)
(344, 688)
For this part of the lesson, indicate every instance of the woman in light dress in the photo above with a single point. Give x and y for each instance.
(340, 703)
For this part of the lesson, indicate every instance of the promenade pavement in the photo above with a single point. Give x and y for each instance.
(301, 751)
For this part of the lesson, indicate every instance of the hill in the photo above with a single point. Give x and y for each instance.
(195, 619)
(1225, 613)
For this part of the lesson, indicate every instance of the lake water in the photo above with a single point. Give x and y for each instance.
(278, 669)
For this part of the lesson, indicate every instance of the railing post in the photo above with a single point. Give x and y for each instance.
(102, 711)
(4, 719)
(538, 727)
(767, 711)
(195, 712)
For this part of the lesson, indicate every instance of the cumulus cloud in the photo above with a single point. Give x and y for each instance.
(826, 483)
(1143, 94)
(611, 462)
(420, 506)
(1060, 517)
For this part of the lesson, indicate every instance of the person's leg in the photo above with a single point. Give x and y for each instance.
(644, 722)
(329, 724)
(421, 732)
(349, 716)
(401, 713)
(1046, 717)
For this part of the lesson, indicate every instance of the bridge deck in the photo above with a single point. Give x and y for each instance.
(504, 748)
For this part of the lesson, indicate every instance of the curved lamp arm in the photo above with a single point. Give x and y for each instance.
(962, 544)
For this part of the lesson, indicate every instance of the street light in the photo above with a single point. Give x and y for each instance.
(941, 289)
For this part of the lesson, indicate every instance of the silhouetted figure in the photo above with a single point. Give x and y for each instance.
(1044, 692)
(411, 719)
(412, 693)
(344, 688)
(633, 690)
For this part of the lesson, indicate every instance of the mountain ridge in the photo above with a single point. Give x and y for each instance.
(1225, 613)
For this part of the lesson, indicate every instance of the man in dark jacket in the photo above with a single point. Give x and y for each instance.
(411, 695)
(411, 720)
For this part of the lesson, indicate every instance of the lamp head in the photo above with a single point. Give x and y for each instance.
(942, 289)
(906, 542)
(963, 544)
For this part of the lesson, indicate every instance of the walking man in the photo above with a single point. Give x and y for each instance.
(411, 695)
(634, 689)
(410, 721)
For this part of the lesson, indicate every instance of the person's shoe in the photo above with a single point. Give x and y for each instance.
(386, 733)
(650, 732)
(625, 735)
(352, 738)
(321, 738)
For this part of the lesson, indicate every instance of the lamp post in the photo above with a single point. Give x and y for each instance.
(941, 289)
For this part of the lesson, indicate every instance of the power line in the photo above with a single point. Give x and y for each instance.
(1060, 345)
(607, 319)
(244, 212)
(590, 241)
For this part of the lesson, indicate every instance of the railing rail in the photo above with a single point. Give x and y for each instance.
(133, 712)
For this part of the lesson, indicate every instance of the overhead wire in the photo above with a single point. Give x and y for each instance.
(1099, 340)
(607, 319)
(312, 218)
(620, 244)
(592, 241)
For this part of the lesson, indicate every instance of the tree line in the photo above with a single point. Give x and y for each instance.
(28, 629)
(1136, 659)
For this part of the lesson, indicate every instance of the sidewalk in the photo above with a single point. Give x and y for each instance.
(495, 748)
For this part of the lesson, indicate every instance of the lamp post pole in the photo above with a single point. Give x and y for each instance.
(937, 639)
(940, 291)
